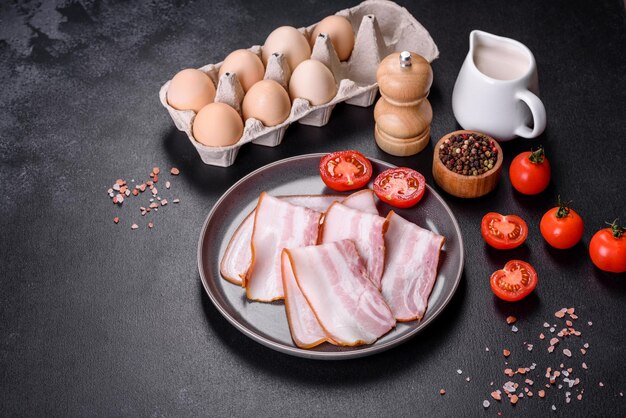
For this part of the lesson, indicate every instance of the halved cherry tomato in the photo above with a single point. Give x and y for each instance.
(503, 232)
(561, 227)
(400, 187)
(514, 282)
(345, 170)
(530, 172)
(608, 249)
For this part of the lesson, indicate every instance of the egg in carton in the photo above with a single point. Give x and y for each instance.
(381, 27)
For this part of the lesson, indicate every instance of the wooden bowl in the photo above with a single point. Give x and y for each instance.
(466, 186)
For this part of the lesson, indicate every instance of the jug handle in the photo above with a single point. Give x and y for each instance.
(539, 115)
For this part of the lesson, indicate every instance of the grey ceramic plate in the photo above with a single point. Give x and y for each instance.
(267, 322)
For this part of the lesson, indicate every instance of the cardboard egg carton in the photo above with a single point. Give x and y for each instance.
(381, 27)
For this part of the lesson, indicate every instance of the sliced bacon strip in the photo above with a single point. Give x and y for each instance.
(365, 229)
(335, 283)
(362, 200)
(410, 268)
(305, 329)
(277, 225)
(238, 255)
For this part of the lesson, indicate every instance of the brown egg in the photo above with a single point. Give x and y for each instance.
(313, 81)
(217, 125)
(289, 41)
(268, 102)
(339, 29)
(190, 89)
(247, 65)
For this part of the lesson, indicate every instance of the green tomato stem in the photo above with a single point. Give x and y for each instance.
(537, 156)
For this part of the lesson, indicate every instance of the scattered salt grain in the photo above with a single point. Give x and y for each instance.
(601, 384)
(553, 408)
(174, 171)
(514, 328)
(567, 352)
(176, 200)
(167, 184)
(459, 371)
(590, 323)
(116, 219)
(467, 379)
(486, 404)
(442, 392)
(134, 226)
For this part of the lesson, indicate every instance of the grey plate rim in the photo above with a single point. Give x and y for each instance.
(319, 355)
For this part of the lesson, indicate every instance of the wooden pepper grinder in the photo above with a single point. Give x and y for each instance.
(403, 114)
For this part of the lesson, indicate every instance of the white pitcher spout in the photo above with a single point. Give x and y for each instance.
(474, 39)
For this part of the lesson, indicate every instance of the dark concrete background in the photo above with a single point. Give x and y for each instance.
(99, 320)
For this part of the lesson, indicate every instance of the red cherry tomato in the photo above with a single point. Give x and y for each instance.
(400, 187)
(561, 227)
(345, 170)
(608, 249)
(514, 282)
(503, 232)
(530, 172)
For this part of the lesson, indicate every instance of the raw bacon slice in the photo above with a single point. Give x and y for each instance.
(410, 268)
(277, 225)
(305, 329)
(362, 200)
(335, 283)
(365, 229)
(238, 255)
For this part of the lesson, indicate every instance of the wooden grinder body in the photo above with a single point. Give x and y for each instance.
(403, 114)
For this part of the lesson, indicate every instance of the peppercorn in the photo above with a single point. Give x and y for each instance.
(468, 154)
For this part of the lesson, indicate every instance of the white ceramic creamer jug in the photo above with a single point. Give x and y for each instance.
(497, 87)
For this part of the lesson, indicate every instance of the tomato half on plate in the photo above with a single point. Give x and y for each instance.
(345, 170)
(514, 282)
(400, 187)
(503, 232)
